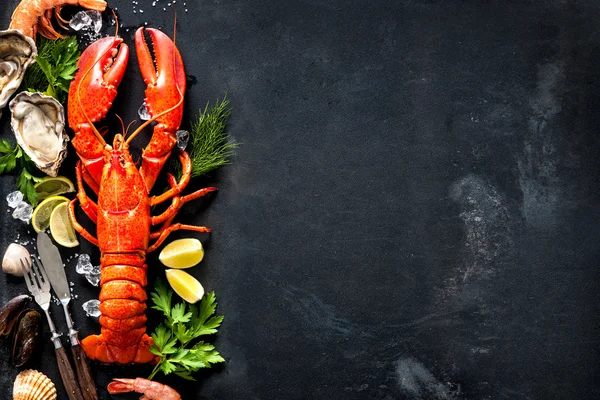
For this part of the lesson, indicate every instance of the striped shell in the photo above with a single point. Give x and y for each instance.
(33, 385)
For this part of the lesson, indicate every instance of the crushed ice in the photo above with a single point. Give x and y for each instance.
(14, 198)
(90, 19)
(91, 308)
(144, 113)
(84, 267)
(182, 139)
(23, 211)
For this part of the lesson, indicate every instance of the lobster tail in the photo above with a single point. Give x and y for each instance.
(123, 337)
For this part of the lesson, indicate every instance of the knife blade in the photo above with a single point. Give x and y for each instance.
(50, 256)
(54, 267)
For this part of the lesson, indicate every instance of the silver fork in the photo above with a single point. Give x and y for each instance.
(39, 286)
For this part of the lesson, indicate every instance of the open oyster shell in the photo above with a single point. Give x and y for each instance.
(38, 122)
(17, 52)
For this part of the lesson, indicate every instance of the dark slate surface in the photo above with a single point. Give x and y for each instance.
(414, 211)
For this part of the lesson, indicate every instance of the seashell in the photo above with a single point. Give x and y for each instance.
(11, 263)
(27, 337)
(10, 312)
(33, 385)
(17, 52)
(38, 122)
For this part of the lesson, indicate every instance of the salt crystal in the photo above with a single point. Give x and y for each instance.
(91, 308)
(14, 198)
(144, 113)
(182, 139)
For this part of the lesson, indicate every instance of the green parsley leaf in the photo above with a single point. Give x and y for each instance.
(54, 68)
(173, 339)
(26, 180)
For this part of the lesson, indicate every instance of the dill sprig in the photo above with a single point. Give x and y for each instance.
(211, 147)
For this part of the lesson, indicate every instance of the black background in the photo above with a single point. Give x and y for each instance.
(413, 212)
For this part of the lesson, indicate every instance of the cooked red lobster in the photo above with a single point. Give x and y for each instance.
(122, 214)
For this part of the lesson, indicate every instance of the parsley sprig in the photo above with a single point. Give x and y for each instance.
(54, 68)
(10, 158)
(173, 339)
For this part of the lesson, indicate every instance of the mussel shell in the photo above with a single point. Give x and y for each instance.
(9, 313)
(27, 337)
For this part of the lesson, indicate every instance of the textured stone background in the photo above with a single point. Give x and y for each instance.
(414, 210)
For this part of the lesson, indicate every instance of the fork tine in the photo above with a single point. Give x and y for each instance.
(42, 270)
(27, 275)
(38, 274)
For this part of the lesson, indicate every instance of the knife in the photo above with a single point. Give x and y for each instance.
(51, 259)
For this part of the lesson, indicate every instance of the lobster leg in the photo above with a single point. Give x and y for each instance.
(178, 202)
(166, 231)
(87, 205)
(166, 86)
(176, 188)
(77, 226)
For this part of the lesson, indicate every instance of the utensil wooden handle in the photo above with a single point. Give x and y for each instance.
(67, 375)
(86, 381)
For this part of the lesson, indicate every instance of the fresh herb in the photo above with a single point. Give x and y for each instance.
(184, 323)
(54, 68)
(210, 146)
(10, 158)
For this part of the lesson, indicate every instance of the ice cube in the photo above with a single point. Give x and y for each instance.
(91, 308)
(143, 112)
(23, 211)
(182, 139)
(14, 198)
(84, 265)
(94, 279)
(80, 20)
(95, 20)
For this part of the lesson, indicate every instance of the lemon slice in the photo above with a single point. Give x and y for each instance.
(182, 253)
(53, 186)
(185, 285)
(60, 226)
(40, 219)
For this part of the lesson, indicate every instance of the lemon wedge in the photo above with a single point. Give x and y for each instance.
(53, 186)
(60, 226)
(40, 219)
(185, 285)
(182, 253)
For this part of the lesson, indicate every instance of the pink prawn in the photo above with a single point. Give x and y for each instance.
(150, 389)
(32, 16)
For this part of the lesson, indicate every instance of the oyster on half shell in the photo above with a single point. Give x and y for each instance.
(38, 122)
(17, 52)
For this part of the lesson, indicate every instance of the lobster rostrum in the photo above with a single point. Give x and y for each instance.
(122, 213)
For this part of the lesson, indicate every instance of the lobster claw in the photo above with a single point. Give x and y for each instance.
(101, 68)
(166, 83)
(161, 92)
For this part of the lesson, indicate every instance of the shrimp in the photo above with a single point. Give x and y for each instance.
(33, 16)
(150, 389)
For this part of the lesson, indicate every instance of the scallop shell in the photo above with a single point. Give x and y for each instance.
(17, 52)
(33, 385)
(38, 122)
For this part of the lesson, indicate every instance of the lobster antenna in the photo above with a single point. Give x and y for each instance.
(129, 126)
(122, 124)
